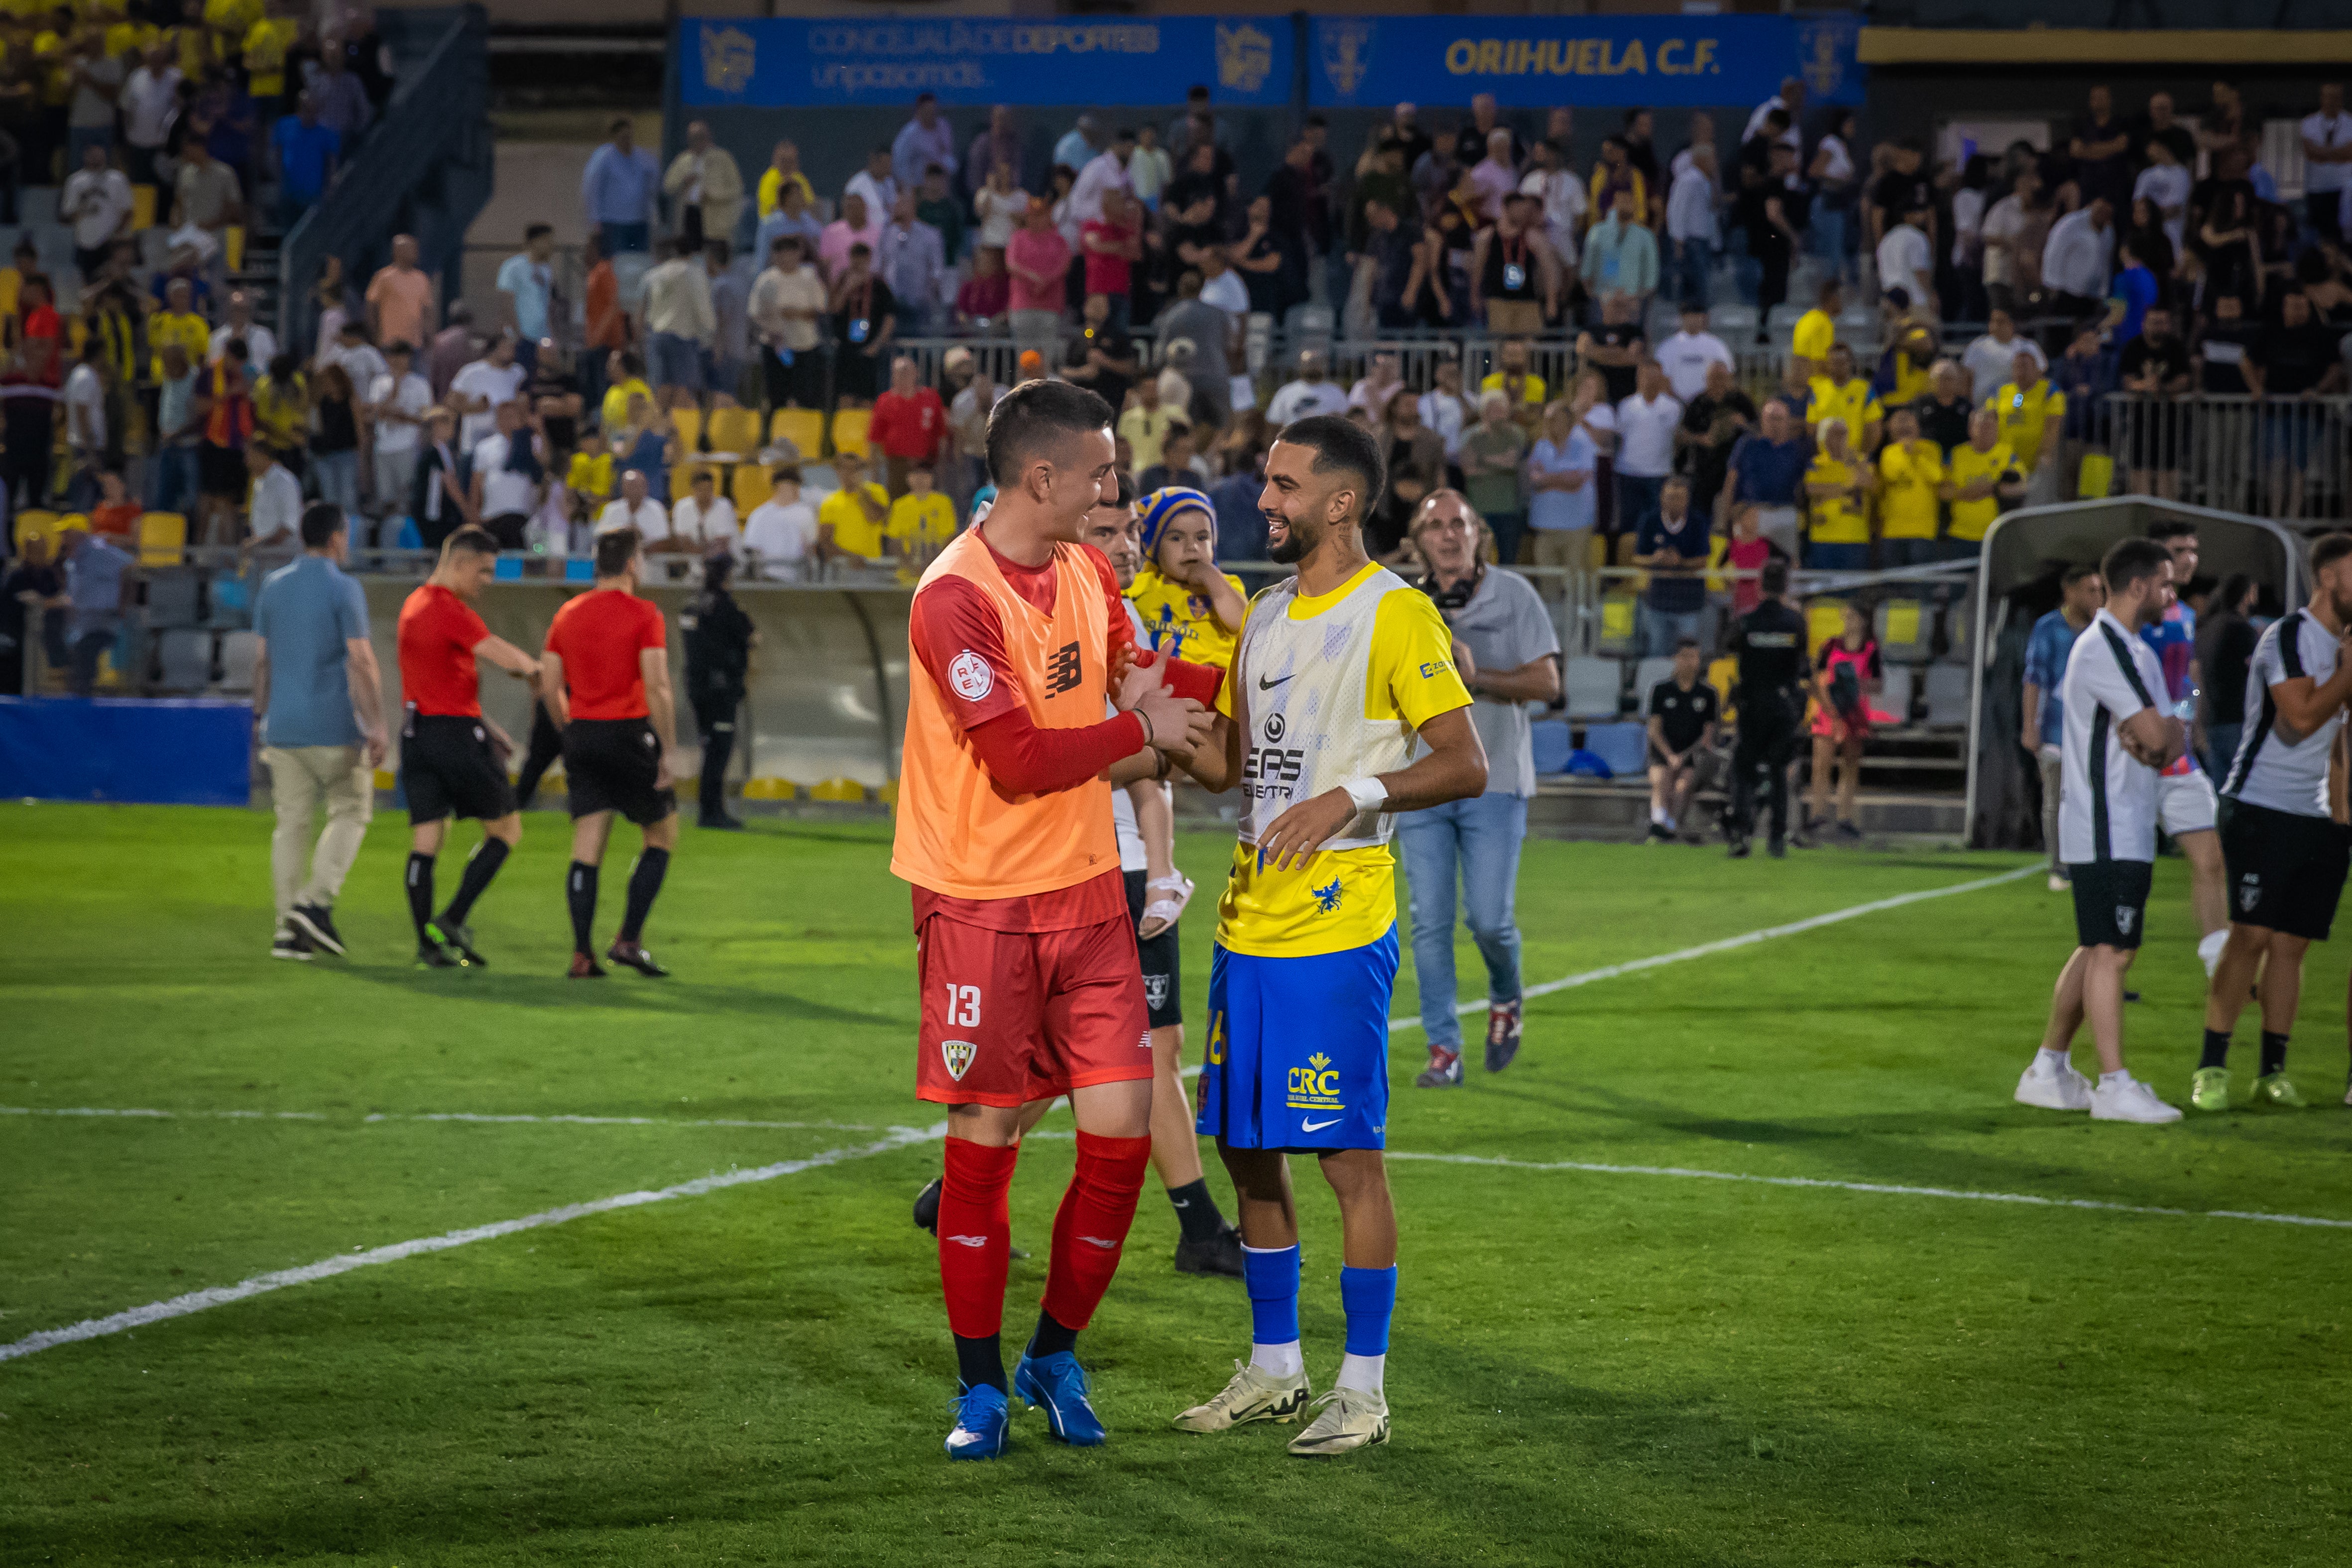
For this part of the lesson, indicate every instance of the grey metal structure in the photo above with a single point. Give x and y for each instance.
(2020, 546)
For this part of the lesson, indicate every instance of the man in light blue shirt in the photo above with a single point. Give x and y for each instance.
(616, 192)
(922, 141)
(528, 280)
(320, 698)
(1079, 144)
(94, 588)
(2045, 728)
(1620, 255)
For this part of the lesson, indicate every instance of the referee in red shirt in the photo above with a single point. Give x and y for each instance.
(452, 758)
(608, 647)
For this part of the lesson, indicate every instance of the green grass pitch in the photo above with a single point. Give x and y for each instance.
(1589, 1366)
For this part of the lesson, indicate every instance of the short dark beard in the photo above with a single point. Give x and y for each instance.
(1295, 547)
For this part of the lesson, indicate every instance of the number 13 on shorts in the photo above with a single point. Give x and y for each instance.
(963, 1007)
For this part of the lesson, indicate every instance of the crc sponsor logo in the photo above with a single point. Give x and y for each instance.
(1316, 1086)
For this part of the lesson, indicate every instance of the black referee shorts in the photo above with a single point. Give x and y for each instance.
(2110, 901)
(2286, 870)
(1163, 962)
(611, 764)
(447, 768)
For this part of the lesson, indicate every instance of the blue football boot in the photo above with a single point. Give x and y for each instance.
(1058, 1384)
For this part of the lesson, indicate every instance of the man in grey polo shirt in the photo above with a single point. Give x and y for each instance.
(1508, 655)
(320, 698)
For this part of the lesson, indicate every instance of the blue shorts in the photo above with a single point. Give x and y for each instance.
(675, 361)
(1298, 1048)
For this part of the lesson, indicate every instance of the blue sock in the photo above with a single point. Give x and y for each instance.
(1369, 1294)
(1271, 1277)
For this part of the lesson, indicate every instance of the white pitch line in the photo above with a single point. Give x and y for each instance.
(1884, 1188)
(1745, 939)
(467, 1116)
(327, 1267)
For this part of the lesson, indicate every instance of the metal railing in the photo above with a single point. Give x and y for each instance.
(2281, 458)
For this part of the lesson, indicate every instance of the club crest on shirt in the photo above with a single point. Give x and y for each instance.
(1327, 897)
(970, 674)
(958, 1055)
(1155, 990)
(2125, 916)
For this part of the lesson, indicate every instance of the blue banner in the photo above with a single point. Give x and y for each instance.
(1539, 62)
(974, 61)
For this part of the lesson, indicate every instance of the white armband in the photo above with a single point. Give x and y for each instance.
(1368, 794)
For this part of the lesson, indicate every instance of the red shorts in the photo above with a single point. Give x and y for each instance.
(1012, 1016)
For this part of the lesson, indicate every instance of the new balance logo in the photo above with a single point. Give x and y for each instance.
(1062, 670)
(968, 1240)
(1105, 1242)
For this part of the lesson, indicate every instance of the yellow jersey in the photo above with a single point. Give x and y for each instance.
(853, 529)
(1839, 521)
(590, 475)
(283, 412)
(920, 525)
(2025, 414)
(184, 328)
(1814, 335)
(1531, 391)
(1912, 382)
(1855, 402)
(613, 412)
(1179, 622)
(771, 190)
(236, 19)
(1971, 518)
(1911, 475)
(264, 54)
(1344, 681)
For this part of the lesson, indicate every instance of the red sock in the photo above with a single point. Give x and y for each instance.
(976, 1236)
(1091, 1225)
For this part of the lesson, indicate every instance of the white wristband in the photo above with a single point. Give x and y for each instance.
(1368, 794)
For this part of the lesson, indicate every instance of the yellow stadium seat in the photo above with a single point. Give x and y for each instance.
(142, 206)
(804, 427)
(233, 243)
(688, 425)
(161, 536)
(888, 792)
(751, 488)
(1617, 616)
(1720, 674)
(735, 430)
(34, 521)
(849, 430)
(385, 779)
(73, 521)
(769, 789)
(681, 480)
(838, 790)
(1824, 618)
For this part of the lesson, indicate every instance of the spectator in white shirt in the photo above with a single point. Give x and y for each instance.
(276, 513)
(875, 182)
(1645, 445)
(634, 508)
(1104, 171)
(704, 523)
(1222, 286)
(1992, 358)
(1685, 356)
(1313, 393)
(1792, 97)
(1563, 198)
(260, 343)
(85, 397)
(150, 101)
(781, 530)
(507, 474)
(396, 403)
(477, 390)
(2078, 258)
(1906, 261)
(1445, 410)
(1381, 380)
(96, 201)
(2326, 164)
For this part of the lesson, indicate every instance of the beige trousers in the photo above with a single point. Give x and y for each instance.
(300, 777)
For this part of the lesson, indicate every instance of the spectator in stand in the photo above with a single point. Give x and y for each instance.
(1221, 286)
(2082, 380)
(730, 355)
(400, 297)
(180, 416)
(984, 302)
(1514, 276)
(1112, 245)
(1144, 426)
(97, 77)
(1614, 345)
(1842, 395)
(274, 512)
(1912, 485)
(1766, 210)
(784, 170)
(206, 193)
(85, 404)
(1180, 464)
(1672, 543)
(1847, 673)
(874, 184)
(1837, 488)
(452, 349)
(2101, 149)
(1791, 103)
(1614, 176)
(1493, 453)
(1715, 421)
(635, 508)
(2291, 364)
(849, 522)
(97, 201)
(98, 590)
(1211, 336)
(228, 425)
(1444, 408)
(1104, 172)
(1562, 492)
(865, 321)
(2078, 258)
(1646, 423)
(934, 205)
(1905, 259)
(1621, 254)
(1515, 381)
(911, 258)
(781, 533)
(1039, 260)
(857, 224)
(910, 425)
(2158, 125)
(2326, 138)
(1686, 356)
(1312, 391)
(703, 523)
(150, 102)
(2046, 653)
(617, 190)
(1150, 169)
(304, 152)
(2225, 644)
(478, 392)
(924, 141)
(607, 324)
(2165, 184)
(922, 520)
(341, 97)
(787, 301)
(1495, 175)
(2016, 228)
(1079, 144)
(1001, 207)
(1991, 359)
(1837, 190)
(335, 440)
(680, 321)
(705, 188)
(440, 499)
(115, 512)
(999, 143)
(1946, 410)
(397, 401)
(526, 284)
(1692, 231)
(1906, 186)
(1985, 480)
(1101, 357)
(2026, 404)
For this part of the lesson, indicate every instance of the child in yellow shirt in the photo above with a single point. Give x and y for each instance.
(922, 520)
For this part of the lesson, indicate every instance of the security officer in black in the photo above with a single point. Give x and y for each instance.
(1770, 642)
(719, 640)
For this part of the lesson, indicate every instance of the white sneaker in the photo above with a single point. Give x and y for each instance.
(2129, 1099)
(2052, 1088)
(2059, 884)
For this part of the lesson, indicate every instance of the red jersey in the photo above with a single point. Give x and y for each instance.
(598, 637)
(438, 634)
(1106, 273)
(908, 427)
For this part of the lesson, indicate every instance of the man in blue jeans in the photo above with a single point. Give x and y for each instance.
(1508, 655)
